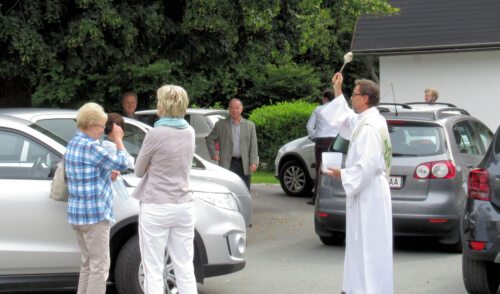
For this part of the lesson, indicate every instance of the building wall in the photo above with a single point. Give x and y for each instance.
(470, 80)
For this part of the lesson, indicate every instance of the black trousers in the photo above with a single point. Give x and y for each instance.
(321, 146)
(237, 168)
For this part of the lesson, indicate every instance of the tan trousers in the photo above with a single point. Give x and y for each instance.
(94, 244)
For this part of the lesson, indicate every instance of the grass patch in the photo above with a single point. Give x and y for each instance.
(263, 177)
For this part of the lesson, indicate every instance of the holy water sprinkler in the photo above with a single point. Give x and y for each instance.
(347, 59)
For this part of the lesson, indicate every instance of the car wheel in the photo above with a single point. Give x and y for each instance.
(336, 239)
(129, 274)
(480, 276)
(294, 179)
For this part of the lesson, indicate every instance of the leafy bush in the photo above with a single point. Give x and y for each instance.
(279, 124)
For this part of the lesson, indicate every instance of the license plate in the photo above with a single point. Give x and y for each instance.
(395, 182)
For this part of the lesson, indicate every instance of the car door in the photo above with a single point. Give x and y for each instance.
(484, 135)
(469, 142)
(35, 236)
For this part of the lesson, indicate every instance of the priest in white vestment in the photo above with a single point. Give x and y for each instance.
(368, 265)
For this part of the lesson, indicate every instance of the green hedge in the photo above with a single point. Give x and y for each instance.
(279, 124)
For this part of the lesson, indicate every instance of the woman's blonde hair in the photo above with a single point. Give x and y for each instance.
(90, 114)
(172, 101)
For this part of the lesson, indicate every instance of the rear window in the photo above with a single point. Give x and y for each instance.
(414, 139)
(408, 140)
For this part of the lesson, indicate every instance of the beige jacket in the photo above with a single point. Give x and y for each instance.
(223, 135)
(164, 163)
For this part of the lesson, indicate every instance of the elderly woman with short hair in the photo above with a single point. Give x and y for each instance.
(90, 205)
(166, 217)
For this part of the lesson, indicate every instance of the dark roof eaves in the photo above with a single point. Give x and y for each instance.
(428, 49)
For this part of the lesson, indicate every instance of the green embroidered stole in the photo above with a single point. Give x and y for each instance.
(385, 142)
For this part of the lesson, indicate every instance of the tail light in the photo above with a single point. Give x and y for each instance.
(479, 184)
(444, 169)
(477, 245)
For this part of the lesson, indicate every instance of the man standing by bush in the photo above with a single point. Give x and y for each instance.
(237, 140)
(320, 132)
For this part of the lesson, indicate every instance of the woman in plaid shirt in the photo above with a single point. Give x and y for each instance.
(90, 205)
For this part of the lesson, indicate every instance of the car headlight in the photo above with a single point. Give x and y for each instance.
(221, 200)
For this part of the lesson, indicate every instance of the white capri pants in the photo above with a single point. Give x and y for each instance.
(171, 226)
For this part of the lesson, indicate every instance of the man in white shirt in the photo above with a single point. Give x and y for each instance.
(368, 265)
(320, 132)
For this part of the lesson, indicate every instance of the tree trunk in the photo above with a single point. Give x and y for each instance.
(15, 92)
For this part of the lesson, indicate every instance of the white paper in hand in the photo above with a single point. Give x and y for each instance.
(331, 160)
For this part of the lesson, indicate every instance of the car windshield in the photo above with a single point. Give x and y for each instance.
(408, 140)
(63, 130)
(49, 134)
(214, 118)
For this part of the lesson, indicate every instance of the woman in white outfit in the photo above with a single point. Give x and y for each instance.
(166, 217)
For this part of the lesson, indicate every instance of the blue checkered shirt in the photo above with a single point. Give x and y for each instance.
(88, 168)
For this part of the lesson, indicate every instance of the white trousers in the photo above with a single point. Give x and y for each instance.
(170, 226)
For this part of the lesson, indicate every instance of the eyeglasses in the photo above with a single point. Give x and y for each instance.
(357, 94)
(102, 126)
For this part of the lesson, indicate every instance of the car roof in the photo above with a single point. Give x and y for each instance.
(429, 115)
(30, 113)
(4, 117)
(202, 111)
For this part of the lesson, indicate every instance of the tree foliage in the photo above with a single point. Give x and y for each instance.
(63, 53)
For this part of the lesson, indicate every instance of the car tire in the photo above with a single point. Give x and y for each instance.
(127, 265)
(336, 239)
(480, 277)
(294, 179)
(128, 274)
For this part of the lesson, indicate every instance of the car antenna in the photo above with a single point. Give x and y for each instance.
(394, 98)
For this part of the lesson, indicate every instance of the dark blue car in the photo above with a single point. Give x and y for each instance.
(480, 225)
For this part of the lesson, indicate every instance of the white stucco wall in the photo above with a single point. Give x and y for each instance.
(470, 80)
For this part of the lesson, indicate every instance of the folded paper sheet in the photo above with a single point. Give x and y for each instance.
(331, 160)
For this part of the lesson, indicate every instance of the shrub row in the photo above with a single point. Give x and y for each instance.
(279, 124)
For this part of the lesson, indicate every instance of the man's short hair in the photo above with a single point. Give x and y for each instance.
(329, 94)
(434, 93)
(370, 88)
(234, 99)
(130, 93)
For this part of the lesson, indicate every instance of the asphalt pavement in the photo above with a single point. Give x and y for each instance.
(284, 255)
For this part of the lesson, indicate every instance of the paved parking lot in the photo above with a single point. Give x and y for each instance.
(284, 255)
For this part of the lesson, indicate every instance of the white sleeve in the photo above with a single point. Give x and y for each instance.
(311, 125)
(340, 116)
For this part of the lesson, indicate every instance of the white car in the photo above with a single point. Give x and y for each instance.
(38, 248)
(63, 123)
(295, 167)
(202, 121)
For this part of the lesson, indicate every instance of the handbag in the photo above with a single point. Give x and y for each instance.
(59, 187)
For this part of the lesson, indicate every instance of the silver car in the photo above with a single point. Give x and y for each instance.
(295, 163)
(433, 152)
(295, 167)
(38, 248)
(63, 123)
(202, 121)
